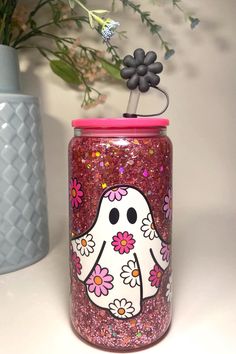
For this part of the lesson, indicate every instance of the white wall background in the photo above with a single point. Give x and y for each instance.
(201, 81)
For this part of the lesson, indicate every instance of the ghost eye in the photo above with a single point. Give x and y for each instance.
(132, 215)
(114, 216)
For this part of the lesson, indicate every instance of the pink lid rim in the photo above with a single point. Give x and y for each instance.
(101, 123)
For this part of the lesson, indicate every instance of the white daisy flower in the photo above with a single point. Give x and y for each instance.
(85, 245)
(121, 308)
(131, 274)
(148, 227)
(169, 290)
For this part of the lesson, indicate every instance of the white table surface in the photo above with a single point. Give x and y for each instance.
(34, 301)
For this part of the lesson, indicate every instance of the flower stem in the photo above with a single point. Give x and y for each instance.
(145, 18)
(83, 6)
(42, 34)
(178, 7)
(39, 5)
(98, 19)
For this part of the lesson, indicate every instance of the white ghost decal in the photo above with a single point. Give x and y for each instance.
(122, 257)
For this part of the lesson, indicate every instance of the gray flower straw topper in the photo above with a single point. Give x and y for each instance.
(141, 72)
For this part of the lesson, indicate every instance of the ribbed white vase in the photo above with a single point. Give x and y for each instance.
(23, 206)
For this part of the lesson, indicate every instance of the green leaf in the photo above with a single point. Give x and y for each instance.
(112, 69)
(65, 71)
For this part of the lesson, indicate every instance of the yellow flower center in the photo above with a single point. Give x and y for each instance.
(121, 311)
(158, 275)
(152, 226)
(83, 242)
(135, 273)
(114, 189)
(123, 242)
(97, 280)
(73, 192)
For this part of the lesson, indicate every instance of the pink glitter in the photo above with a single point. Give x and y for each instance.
(145, 173)
(76, 261)
(152, 174)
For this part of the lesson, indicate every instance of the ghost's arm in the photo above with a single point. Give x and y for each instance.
(88, 261)
(158, 251)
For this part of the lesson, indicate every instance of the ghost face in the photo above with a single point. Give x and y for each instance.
(121, 259)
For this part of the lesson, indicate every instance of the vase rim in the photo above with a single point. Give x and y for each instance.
(7, 46)
(16, 97)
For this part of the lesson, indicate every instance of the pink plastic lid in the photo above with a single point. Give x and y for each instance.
(101, 123)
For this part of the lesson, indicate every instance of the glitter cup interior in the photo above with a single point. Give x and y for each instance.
(120, 172)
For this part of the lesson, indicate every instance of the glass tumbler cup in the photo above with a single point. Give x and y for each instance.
(120, 191)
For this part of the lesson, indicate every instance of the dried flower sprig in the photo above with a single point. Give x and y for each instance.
(77, 64)
(194, 21)
(108, 26)
(81, 66)
(154, 28)
(73, 61)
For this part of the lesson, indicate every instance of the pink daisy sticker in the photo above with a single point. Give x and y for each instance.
(116, 193)
(76, 262)
(75, 193)
(168, 205)
(155, 276)
(100, 281)
(123, 242)
(165, 251)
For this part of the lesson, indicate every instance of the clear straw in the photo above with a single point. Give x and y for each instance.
(133, 101)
